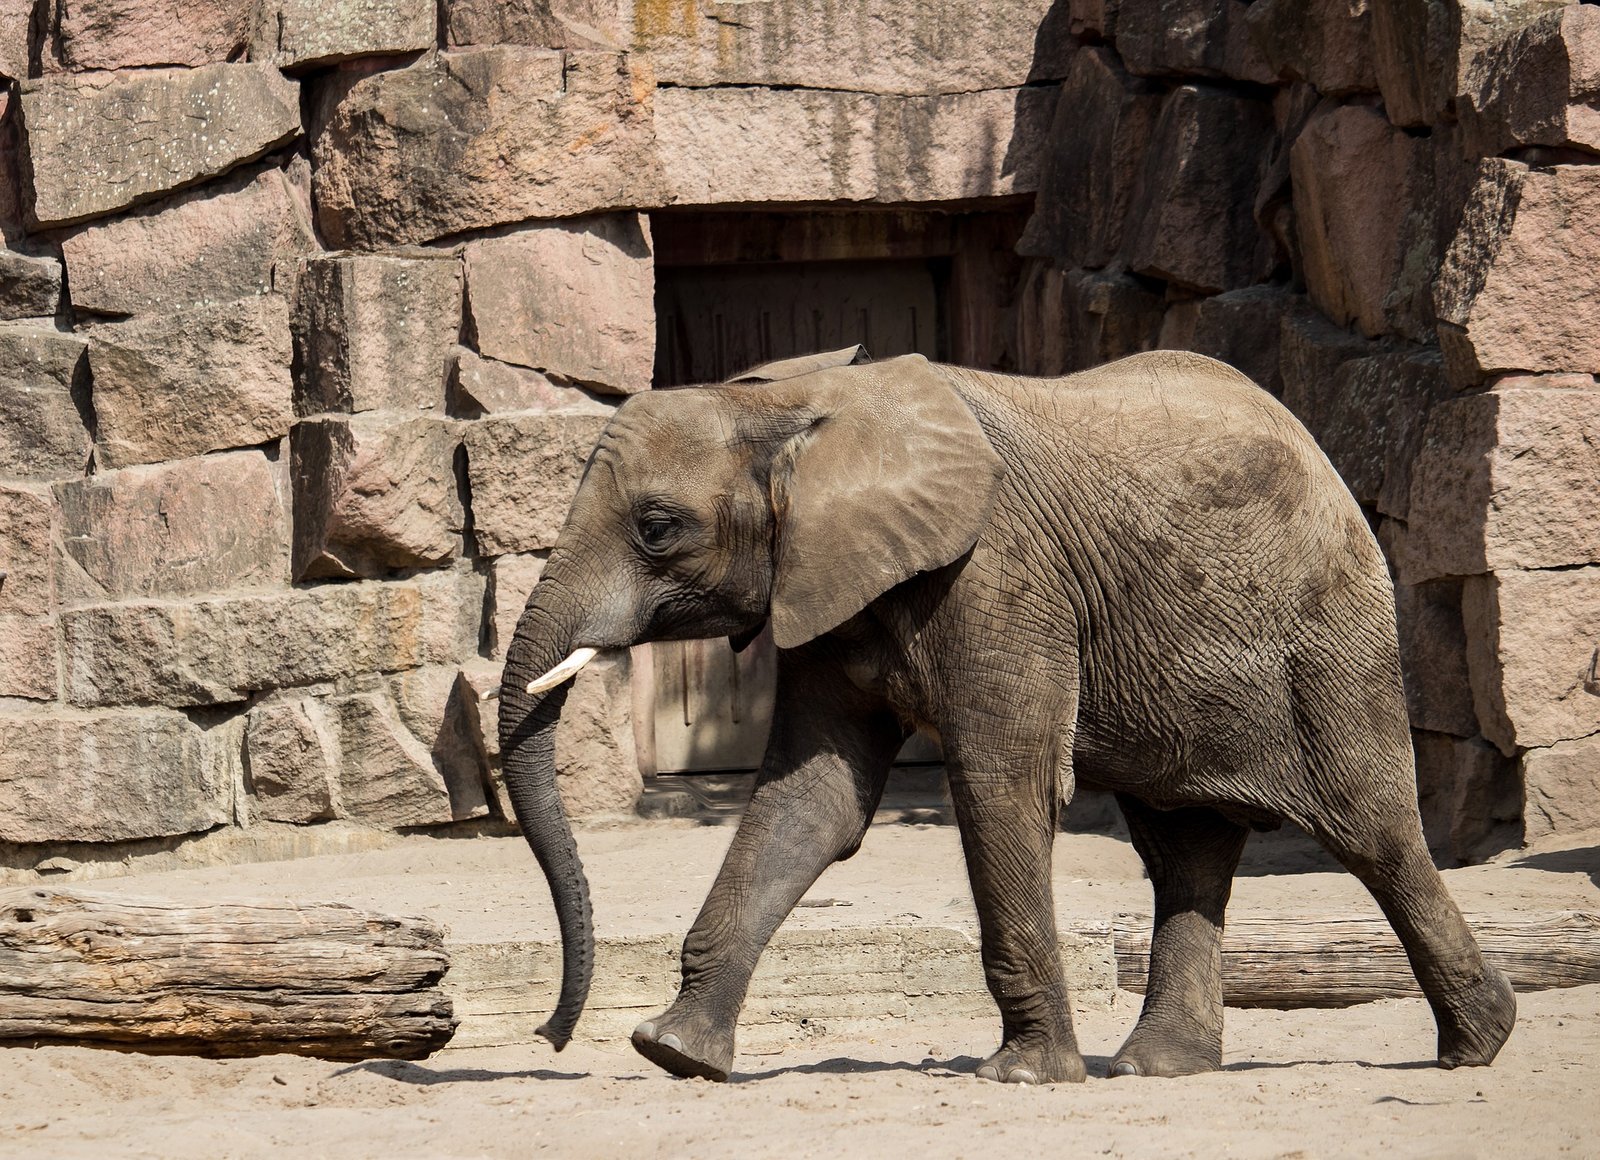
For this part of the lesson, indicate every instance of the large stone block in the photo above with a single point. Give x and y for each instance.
(17, 37)
(387, 777)
(1192, 220)
(99, 142)
(465, 140)
(109, 777)
(374, 492)
(1325, 43)
(197, 380)
(1371, 424)
(30, 285)
(1538, 86)
(539, 23)
(1515, 290)
(1559, 784)
(123, 34)
(483, 386)
(1468, 795)
(302, 33)
(874, 46)
(1433, 657)
(1358, 183)
(511, 579)
(1101, 130)
(292, 762)
(1244, 328)
(1506, 479)
(1530, 640)
(28, 588)
(200, 248)
(28, 658)
(432, 706)
(222, 649)
(44, 402)
(575, 300)
(1310, 352)
(731, 145)
(1189, 38)
(523, 471)
(1421, 48)
(170, 529)
(376, 332)
(1070, 320)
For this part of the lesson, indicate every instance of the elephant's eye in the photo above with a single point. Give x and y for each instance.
(656, 530)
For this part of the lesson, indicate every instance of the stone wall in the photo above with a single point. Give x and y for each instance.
(311, 312)
(1387, 212)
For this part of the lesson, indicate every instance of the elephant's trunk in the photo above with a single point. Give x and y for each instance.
(527, 747)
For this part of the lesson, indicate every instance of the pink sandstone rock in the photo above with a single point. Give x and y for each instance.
(292, 762)
(481, 386)
(1530, 641)
(511, 579)
(523, 470)
(1433, 656)
(374, 492)
(1538, 86)
(44, 402)
(431, 706)
(204, 246)
(1469, 797)
(26, 552)
(1325, 43)
(1189, 38)
(539, 23)
(28, 658)
(203, 379)
(386, 777)
(1515, 290)
(121, 34)
(16, 37)
(574, 300)
(1069, 320)
(302, 33)
(1506, 479)
(477, 138)
(1559, 788)
(99, 142)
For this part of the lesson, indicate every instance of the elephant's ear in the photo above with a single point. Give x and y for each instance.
(790, 368)
(891, 476)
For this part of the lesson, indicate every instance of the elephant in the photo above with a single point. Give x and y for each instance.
(1144, 578)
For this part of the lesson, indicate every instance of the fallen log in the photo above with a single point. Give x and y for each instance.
(1335, 962)
(143, 974)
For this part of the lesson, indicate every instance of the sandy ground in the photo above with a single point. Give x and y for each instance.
(1353, 1082)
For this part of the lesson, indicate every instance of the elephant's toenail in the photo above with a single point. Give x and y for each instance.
(1124, 1068)
(671, 1041)
(1021, 1075)
(989, 1071)
(645, 1032)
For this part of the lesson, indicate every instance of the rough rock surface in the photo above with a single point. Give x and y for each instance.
(1515, 288)
(28, 658)
(1073, 319)
(1538, 86)
(26, 550)
(374, 492)
(511, 579)
(1433, 656)
(376, 332)
(109, 777)
(1206, 156)
(1467, 792)
(1325, 43)
(1310, 352)
(1530, 641)
(119, 34)
(539, 23)
(44, 403)
(220, 650)
(1189, 37)
(99, 142)
(481, 386)
(219, 522)
(301, 33)
(574, 300)
(1097, 144)
(523, 470)
(30, 285)
(1506, 479)
(1558, 788)
(202, 247)
(430, 703)
(1243, 328)
(387, 777)
(481, 137)
(292, 762)
(196, 380)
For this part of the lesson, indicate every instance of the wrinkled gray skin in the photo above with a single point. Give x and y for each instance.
(1144, 578)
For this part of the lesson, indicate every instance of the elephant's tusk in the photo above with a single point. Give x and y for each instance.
(489, 694)
(561, 672)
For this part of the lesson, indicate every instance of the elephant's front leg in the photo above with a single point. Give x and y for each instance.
(827, 757)
(1006, 794)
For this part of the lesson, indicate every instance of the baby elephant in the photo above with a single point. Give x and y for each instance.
(1144, 578)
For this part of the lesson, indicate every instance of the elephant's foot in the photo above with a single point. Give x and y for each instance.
(685, 1047)
(1020, 1062)
(1154, 1050)
(1478, 1022)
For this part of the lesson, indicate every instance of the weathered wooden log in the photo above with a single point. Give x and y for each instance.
(1333, 962)
(144, 974)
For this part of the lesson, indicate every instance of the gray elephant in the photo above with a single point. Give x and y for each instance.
(1144, 578)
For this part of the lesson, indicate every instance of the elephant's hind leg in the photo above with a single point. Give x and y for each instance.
(1191, 855)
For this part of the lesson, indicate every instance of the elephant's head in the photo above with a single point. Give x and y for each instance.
(710, 512)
